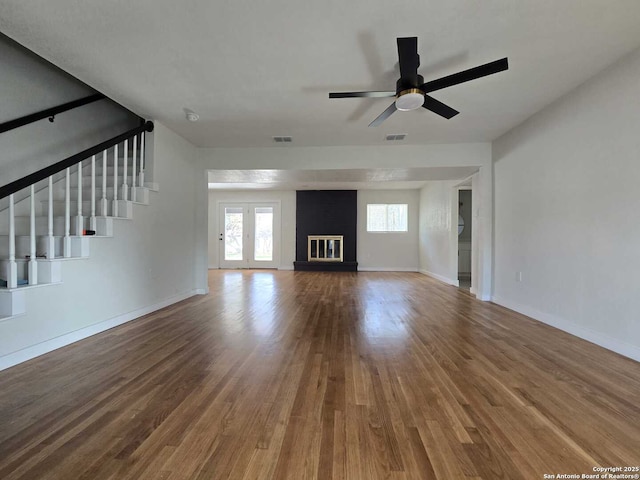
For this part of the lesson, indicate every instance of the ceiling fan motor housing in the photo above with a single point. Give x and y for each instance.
(409, 97)
(402, 84)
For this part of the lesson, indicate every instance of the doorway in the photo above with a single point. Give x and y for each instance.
(249, 235)
(465, 209)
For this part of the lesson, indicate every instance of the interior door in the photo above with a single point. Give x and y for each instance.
(249, 235)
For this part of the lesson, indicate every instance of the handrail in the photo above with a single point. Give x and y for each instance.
(32, 178)
(49, 112)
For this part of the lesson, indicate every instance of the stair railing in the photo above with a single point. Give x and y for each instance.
(49, 113)
(135, 135)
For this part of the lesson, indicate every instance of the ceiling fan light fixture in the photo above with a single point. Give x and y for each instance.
(410, 99)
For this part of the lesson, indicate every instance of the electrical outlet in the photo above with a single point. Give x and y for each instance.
(518, 276)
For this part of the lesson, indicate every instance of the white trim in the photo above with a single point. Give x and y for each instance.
(12, 303)
(11, 317)
(285, 267)
(201, 291)
(466, 183)
(213, 267)
(387, 269)
(22, 288)
(47, 346)
(593, 336)
(442, 278)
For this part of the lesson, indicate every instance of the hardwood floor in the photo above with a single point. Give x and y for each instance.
(296, 375)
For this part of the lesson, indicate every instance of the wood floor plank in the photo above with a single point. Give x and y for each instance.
(319, 375)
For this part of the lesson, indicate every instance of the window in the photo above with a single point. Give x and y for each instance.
(387, 217)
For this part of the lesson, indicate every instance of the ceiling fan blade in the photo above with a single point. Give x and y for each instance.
(361, 94)
(409, 60)
(438, 107)
(384, 115)
(466, 75)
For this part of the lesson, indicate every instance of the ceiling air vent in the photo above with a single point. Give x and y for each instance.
(282, 139)
(396, 137)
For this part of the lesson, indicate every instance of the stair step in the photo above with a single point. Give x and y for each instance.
(141, 194)
(21, 282)
(47, 272)
(23, 225)
(45, 249)
(86, 181)
(23, 247)
(86, 172)
(86, 194)
(125, 208)
(103, 225)
(12, 302)
(23, 286)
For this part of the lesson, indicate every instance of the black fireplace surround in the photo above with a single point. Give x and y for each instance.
(327, 212)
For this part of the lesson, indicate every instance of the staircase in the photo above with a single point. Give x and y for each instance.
(51, 216)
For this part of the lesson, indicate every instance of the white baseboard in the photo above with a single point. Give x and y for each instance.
(593, 336)
(387, 269)
(68, 338)
(201, 291)
(213, 267)
(285, 267)
(442, 278)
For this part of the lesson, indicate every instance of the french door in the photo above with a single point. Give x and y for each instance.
(249, 235)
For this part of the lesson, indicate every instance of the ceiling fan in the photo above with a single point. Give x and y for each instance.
(411, 90)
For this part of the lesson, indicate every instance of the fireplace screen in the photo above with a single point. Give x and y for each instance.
(324, 248)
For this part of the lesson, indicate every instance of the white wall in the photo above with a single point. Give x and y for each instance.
(28, 84)
(566, 211)
(388, 251)
(304, 158)
(438, 225)
(287, 200)
(148, 263)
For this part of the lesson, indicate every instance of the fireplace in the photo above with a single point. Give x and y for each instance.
(326, 230)
(324, 248)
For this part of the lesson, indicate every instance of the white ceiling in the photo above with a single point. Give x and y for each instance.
(253, 70)
(343, 179)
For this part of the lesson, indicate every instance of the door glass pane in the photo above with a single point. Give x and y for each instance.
(233, 233)
(263, 251)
